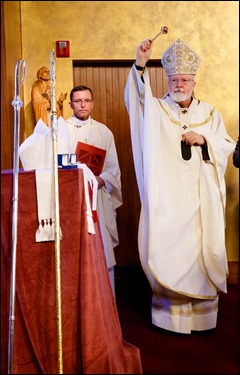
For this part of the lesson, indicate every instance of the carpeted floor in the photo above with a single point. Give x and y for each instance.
(162, 352)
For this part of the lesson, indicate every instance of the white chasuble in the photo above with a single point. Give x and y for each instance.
(182, 222)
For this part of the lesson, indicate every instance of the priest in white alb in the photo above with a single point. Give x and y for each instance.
(83, 128)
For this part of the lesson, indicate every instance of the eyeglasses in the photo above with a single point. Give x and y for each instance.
(81, 101)
(183, 81)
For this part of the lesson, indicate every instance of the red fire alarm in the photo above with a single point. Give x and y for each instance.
(62, 48)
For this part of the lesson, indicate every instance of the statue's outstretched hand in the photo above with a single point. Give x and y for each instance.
(62, 97)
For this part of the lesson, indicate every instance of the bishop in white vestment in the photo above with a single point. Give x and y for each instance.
(181, 149)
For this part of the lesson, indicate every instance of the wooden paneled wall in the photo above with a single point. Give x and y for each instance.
(107, 81)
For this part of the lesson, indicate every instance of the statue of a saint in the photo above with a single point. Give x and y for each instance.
(41, 99)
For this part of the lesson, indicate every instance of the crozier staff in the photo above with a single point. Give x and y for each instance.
(181, 149)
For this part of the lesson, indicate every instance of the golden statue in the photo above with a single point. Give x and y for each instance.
(41, 97)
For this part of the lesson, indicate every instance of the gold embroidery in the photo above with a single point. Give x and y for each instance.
(191, 125)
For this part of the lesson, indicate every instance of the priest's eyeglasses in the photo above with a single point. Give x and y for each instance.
(81, 101)
(183, 81)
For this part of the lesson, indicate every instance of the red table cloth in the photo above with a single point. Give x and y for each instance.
(92, 341)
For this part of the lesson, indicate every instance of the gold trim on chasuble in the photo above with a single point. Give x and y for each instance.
(190, 125)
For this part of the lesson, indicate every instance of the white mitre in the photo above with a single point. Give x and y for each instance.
(180, 58)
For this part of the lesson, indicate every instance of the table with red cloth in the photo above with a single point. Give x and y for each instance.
(92, 341)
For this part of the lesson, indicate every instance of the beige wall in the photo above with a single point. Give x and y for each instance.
(112, 30)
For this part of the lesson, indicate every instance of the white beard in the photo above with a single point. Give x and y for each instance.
(179, 96)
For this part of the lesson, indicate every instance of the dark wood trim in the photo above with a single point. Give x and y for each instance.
(233, 277)
(113, 63)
